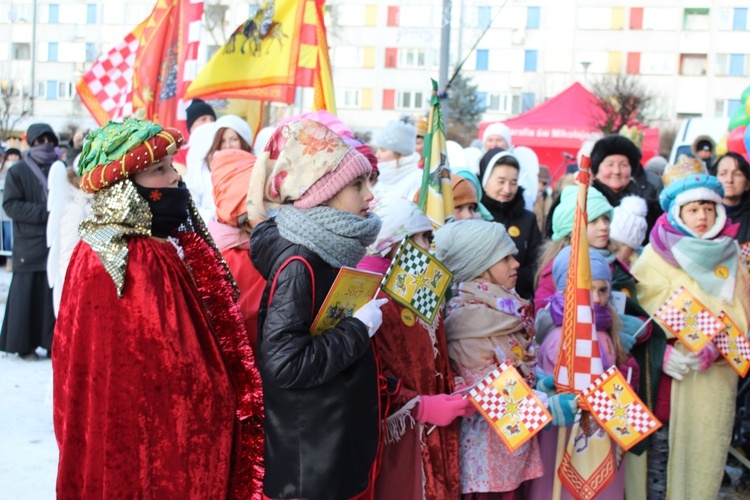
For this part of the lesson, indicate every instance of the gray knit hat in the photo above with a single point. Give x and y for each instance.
(456, 245)
(398, 136)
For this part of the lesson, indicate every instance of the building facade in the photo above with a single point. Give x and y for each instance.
(692, 56)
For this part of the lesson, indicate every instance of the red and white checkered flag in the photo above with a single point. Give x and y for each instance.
(512, 409)
(689, 320)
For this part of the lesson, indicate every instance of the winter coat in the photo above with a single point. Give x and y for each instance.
(638, 186)
(702, 396)
(740, 214)
(320, 393)
(522, 226)
(401, 178)
(25, 201)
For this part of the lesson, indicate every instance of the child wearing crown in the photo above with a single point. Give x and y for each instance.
(692, 245)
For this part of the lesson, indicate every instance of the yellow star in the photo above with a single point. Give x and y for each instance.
(148, 94)
(419, 281)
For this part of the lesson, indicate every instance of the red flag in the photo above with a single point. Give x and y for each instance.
(146, 74)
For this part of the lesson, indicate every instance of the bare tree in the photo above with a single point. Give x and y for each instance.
(623, 99)
(15, 104)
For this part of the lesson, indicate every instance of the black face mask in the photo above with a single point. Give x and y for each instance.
(169, 208)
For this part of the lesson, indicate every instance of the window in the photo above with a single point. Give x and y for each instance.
(52, 52)
(54, 13)
(351, 15)
(347, 57)
(412, 58)
(391, 57)
(661, 19)
(91, 13)
(693, 64)
(21, 51)
(483, 59)
(529, 60)
(659, 108)
(532, 18)
(407, 101)
(416, 16)
(733, 19)
(481, 100)
(727, 107)
(90, 52)
(508, 104)
(732, 64)
(22, 13)
(484, 16)
(348, 98)
(595, 18)
(65, 90)
(527, 100)
(51, 92)
(657, 63)
(696, 20)
(740, 20)
(592, 61)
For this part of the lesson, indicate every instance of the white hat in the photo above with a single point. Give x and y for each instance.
(238, 125)
(629, 224)
(400, 218)
(456, 156)
(500, 129)
(397, 136)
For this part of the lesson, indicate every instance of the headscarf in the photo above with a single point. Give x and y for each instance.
(299, 154)
(562, 218)
(470, 247)
(401, 218)
(230, 175)
(237, 124)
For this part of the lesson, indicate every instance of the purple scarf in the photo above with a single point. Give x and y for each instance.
(602, 314)
(664, 237)
(44, 155)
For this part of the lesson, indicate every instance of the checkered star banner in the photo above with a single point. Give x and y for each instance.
(745, 253)
(689, 320)
(512, 409)
(733, 345)
(417, 280)
(619, 410)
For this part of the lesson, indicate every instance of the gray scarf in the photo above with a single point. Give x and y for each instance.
(44, 155)
(339, 238)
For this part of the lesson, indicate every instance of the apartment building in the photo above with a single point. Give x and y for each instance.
(692, 56)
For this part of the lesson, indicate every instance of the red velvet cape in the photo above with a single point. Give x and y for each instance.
(143, 402)
(405, 351)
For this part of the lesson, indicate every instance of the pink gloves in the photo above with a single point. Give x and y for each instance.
(706, 356)
(442, 409)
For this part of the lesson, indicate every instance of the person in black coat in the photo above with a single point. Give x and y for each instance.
(733, 171)
(617, 169)
(29, 317)
(321, 393)
(502, 196)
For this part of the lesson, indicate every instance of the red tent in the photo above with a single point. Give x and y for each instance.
(560, 124)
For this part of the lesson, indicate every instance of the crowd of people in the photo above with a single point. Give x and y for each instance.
(183, 278)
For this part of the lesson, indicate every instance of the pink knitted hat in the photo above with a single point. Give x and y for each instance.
(352, 165)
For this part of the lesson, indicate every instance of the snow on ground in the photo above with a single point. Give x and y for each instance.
(28, 450)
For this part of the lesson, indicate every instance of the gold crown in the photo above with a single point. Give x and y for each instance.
(632, 133)
(685, 167)
(420, 123)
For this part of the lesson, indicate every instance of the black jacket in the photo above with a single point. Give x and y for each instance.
(25, 201)
(740, 214)
(639, 187)
(522, 226)
(320, 393)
